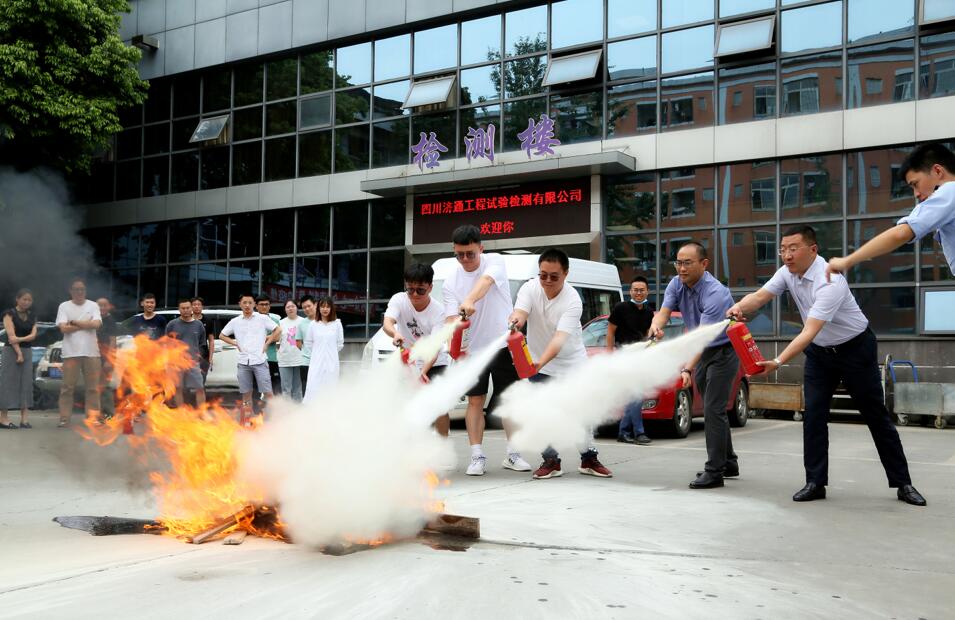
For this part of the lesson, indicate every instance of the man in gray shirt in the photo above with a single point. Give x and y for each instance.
(192, 332)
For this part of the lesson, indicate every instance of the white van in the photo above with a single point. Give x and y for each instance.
(597, 283)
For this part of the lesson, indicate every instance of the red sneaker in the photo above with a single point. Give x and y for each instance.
(590, 466)
(550, 468)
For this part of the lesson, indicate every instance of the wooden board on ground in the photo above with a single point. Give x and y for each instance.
(781, 396)
(108, 526)
(235, 538)
(453, 525)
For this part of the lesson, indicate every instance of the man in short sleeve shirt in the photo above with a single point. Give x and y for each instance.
(251, 333)
(78, 319)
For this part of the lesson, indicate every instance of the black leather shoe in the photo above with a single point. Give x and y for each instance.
(909, 495)
(810, 492)
(707, 480)
(729, 471)
(626, 438)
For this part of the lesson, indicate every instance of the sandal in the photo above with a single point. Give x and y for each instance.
(63, 424)
(10, 425)
(25, 425)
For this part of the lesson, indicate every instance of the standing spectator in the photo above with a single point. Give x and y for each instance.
(106, 340)
(78, 319)
(629, 322)
(264, 306)
(250, 333)
(310, 308)
(325, 339)
(149, 323)
(208, 348)
(290, 350)
(16, 363)
(192, 332)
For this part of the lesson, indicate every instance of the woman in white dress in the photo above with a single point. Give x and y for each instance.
(325, 338)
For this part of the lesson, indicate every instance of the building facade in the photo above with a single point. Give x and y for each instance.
(317, 146)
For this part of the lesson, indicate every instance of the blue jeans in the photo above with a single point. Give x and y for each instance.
(632, 420)
(550, 453)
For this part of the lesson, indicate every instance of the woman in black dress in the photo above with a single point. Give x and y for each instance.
(16, 360)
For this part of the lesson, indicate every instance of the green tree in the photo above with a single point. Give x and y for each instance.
(64, 73)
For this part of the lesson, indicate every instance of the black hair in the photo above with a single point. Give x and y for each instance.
(925, 156)
(700, 249)
(148, 296)
(325, 300)
(244, 295)
(261, 297)
(76, 279)
(184, 300)
(466, 235)
(22, 292)
(807, 232)
(199, 299)
(419, 273)
(305, 298)
(554, 255)
(639, 279)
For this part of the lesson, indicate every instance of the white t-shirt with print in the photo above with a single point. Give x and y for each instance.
(292, 331)
(413, 325)
(81, 343)
(545, 317)
(489, 321)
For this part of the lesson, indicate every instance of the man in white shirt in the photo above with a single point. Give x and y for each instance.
(412, 315)
(251, 333)
(78, 319)
(480, 291)
(839, 346)
(552, 313)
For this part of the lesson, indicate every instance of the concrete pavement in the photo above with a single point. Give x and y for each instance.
(638, 545)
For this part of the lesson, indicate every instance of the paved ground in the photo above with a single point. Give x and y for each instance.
(638, 545)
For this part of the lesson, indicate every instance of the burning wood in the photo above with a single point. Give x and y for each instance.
(453, 525)
(107, 526)
(235, 538)
(229, 522)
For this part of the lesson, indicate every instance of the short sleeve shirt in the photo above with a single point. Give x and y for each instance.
(250, 333)
(21, 328)
(154, 327)
(705, 303)
(81, 343)
(546, 317)
(193, 333)
(489, 320)
(936, 214)
(632, 321)
(413, 325)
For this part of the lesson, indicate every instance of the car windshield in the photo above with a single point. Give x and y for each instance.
(595, 334)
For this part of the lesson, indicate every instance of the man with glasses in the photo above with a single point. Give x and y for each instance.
(78, 319)
(411, 315)
(702, 300)
(552, 313)
(479, 290)
(629, 322)
(839, 346)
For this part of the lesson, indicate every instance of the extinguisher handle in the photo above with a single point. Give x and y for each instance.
(512, 325)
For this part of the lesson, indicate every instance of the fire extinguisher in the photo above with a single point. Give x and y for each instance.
(405, 354)
(459, 339)
(745, 347)
(517, 345)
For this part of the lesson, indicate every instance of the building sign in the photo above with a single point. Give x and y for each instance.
(552, 208)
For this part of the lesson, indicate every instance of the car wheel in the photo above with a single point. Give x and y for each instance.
(740, 411)
(682, 414)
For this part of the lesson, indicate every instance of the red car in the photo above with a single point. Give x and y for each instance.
(674, 406)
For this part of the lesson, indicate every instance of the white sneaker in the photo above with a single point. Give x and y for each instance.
(515, 462)
(478, 466)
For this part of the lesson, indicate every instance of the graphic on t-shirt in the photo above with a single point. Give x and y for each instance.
(290, 336)
(414, 328)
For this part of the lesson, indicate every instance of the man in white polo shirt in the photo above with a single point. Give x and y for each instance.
(251, 333)
(839, 346)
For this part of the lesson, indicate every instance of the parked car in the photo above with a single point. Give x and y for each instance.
(673, 407)
(46, 334)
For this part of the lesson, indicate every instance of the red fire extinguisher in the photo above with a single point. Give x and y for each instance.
(745, 347)
(517, 345)
(459, 339)
(405, 354)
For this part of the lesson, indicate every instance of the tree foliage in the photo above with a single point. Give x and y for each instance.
(64, 73)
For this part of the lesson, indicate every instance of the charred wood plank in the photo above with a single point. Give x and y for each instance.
(453, 525)
(108, 526)
(223, 525)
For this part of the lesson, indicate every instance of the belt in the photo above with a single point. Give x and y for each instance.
(848, 344)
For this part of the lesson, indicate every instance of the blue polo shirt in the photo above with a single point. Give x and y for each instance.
(704, 303)
(936, 214)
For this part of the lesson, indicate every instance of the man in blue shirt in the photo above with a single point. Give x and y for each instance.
(930, 171)
(702, 300)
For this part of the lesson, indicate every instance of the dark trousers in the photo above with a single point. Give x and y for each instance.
(276, 378)
(856, 364)
(304, 371)
(714, 376)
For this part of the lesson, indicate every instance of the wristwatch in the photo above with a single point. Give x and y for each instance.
(686, 370)
(777, 362)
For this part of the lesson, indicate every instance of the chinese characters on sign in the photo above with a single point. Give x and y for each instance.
(502, 201)
(427, 151)
(538, 136)
(480, 143)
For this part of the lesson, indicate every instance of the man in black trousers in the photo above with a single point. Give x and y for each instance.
(839, 346)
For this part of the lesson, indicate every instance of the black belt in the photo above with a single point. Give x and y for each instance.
(848, 344)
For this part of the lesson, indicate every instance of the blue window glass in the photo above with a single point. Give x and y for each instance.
(632, 59)
(630, 17)
(578, 117)
(687, 101)
(676, 12)
(873, 18)
(632, 109)
(524, 76)
(481, 84)
(393, 57)
(812, 27)
(525, 31)
(481, 40)
(435, 49)
(738, 7)
(934, 10)
(353, 65)
(389, 97)
(687, 49)
(747, 93)
(936, 65)
(576, 21)
(811, 84)
(882, 73)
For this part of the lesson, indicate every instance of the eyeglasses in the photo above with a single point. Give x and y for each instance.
(264, 303)
(683, 263)
(791, 249)
(469, 255)
(417, 290)
(553, 277)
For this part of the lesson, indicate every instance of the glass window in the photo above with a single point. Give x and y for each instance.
(352, 105)
(630, 17)
(156, 176)
(123, 285)
(747, 256)
(244, 235)
(353, 65)
(314, 153)
(812, 83)
(387, 223)
(481, 40)
(738, 7)
(875, 18)
(429, 92)
(481, 84)
(311, 276)
(937, 65)
(158, 100)
(129, 143)
(479, 118)
(435, 48)
(243, 279)
(933, 264)
(211, 283)
(389, 98)
(351, 148)
(444, 127)
(185, 172)
(687, 101)
(516, 114)
(185, 95)
(881, 73)
(390, 144)
(215, 167)
(747, 192)
(525, 31)
(248, 84)
(281, 78)
(634, 255)
(315, 112)
(277, 280)
(677, 12)
(578, 117)
(936, 10)
(897, 266)
(576, 21)
(811, 187)
(152, 244)
(393, 57)
(349, 274)
(156, 139)
(182, 133)
(686, 197)
(891, 311)
(280, 158)
(209, 128)
(563, 69)
(130, 116)
(635, 58)
(125, 247)
(865, 196)
(182, 241)
(247, 124)
(100, 185)
(351, 226)
(671, 242)
(278, 231)
(524, 76)
(630, 202)
(747, 36)
(313, 228)
(181, 284)
(153, 280)
(387, 269)
(127, 179)
(631, 109)
(687, 49)
(247, 163)
(280, 118)
(811, 27)
(216, 90)
(213, 237)
(316, 72)
(747, 93)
